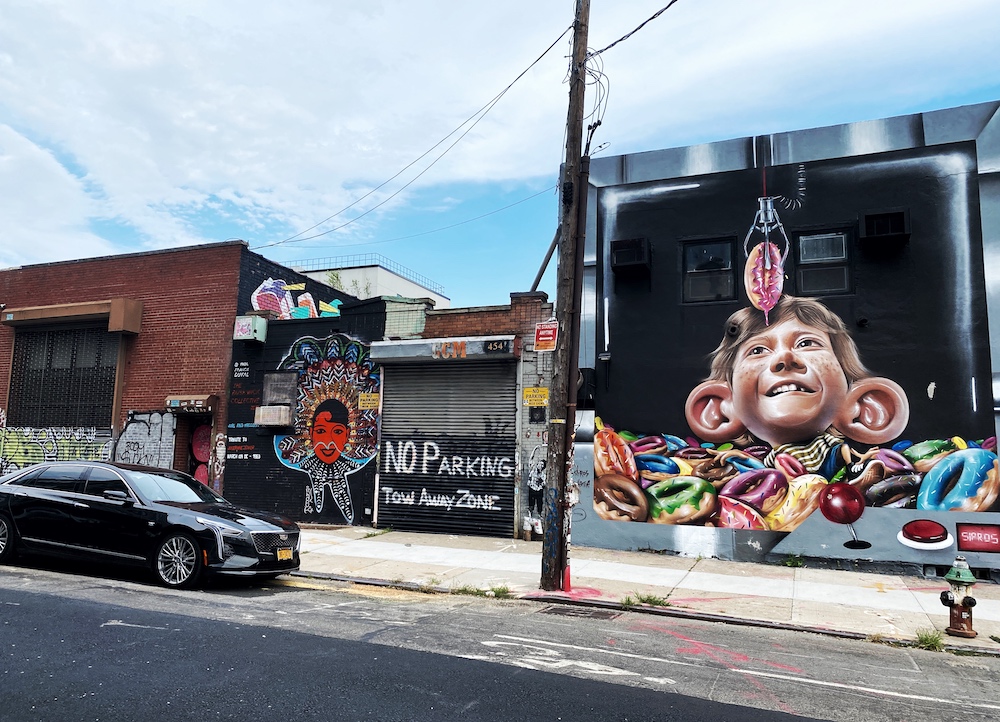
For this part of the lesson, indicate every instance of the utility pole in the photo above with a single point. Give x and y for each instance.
(562, 395)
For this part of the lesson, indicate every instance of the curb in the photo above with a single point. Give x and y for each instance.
(676, 612)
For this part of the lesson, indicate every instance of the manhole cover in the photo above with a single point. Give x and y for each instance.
(567, 611)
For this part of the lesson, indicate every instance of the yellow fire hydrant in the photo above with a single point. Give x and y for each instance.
(958, 599)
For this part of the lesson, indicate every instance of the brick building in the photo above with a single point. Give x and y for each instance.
(129, 357)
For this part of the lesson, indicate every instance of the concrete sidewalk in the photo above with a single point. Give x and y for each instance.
(844, 603)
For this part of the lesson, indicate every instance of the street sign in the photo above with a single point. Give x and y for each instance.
(546, 335)
(536, 396)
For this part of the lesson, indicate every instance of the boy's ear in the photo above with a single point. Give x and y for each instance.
(874, 411)
(709, 412)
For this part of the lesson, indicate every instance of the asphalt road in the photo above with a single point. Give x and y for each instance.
(81, 647)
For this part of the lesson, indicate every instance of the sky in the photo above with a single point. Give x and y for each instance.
(317, 129)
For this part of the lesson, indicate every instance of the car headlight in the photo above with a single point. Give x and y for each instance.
(221, 527)
(223, 530)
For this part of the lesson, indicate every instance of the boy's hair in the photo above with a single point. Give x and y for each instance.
(748, 322)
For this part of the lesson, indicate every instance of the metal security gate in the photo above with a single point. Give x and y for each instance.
(447, 458)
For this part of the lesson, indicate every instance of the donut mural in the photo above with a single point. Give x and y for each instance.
(788, 408)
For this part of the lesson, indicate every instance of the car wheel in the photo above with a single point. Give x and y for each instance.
(6, 540)
(178, 561)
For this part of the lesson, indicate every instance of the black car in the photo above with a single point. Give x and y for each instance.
(139, 515)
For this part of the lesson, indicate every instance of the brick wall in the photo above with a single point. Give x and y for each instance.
(189, 298)
(518, 318)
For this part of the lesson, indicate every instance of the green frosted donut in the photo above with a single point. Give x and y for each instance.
(680, 500)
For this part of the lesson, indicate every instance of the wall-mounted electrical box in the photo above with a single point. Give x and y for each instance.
(250, 328)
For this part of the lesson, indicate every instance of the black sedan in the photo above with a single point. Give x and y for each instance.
(139, 515)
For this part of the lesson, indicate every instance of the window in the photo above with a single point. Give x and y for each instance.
(63, 377)
(708, 271)
(280, 388)
(57, 478)
(823, 264)
(101, 480)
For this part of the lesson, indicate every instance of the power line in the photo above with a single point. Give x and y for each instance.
(655, 15)
(453, 225)
(481, 113)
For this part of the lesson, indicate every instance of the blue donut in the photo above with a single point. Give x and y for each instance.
(656, 463)
(965, 472)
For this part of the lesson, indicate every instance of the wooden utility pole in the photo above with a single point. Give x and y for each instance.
(562, 395)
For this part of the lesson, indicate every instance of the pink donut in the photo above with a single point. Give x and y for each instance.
(763, 489)
(734, 514)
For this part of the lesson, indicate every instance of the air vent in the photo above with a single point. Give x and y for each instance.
(631, 257)
(273, 416)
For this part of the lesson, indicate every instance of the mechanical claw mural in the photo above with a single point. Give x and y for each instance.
(336, 418)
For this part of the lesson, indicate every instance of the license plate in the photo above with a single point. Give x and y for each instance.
(284, 555)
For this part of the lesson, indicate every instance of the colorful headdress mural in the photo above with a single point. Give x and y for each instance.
(336, 417)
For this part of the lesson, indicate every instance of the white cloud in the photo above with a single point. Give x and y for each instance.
(46, 211)
(190, 121)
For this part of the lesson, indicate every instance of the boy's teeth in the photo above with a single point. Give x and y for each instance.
(784, 389)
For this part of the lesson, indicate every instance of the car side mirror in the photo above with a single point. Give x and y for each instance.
(117, 495)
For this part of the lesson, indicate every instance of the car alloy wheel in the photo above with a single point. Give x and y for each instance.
(6, 540)
(178, 561)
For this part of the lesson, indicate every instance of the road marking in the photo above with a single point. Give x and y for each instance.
(770, 675)
(613, 652)
(120, 623)
(871, 690)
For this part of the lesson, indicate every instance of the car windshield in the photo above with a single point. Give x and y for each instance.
(167, 486)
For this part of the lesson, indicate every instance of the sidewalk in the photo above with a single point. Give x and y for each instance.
(843, 603)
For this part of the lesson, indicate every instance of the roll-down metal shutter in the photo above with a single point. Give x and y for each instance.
(447, 457)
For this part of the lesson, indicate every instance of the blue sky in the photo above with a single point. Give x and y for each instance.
(129, 127)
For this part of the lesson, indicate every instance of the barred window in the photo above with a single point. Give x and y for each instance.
(63, 377)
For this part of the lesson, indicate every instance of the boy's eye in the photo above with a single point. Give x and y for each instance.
(757, 350)
(807, 342)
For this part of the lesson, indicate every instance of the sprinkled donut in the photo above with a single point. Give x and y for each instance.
(966, 480)
(618, 498)
(734, 514)
(928, 453)
(680, 500)
(801, 500)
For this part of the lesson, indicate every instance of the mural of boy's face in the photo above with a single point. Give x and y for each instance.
(328, 437)
(788, 383)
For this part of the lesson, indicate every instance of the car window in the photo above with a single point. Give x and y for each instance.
(171, 486)
(101, 480)
(58, 478)
(23, 480)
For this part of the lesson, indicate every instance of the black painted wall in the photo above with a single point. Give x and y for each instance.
(917, 312)
(253, 475)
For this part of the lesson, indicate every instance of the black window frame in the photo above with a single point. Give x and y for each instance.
(733, 270)
(846, 263)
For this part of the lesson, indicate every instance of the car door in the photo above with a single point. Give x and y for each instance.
(118, 528)
(44, 506)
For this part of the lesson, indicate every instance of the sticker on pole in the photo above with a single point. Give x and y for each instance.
(546, 335)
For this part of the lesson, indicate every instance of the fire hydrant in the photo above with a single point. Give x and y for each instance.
(958, 600)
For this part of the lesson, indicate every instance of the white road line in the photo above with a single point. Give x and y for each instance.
(757, 673)
(870, 690)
